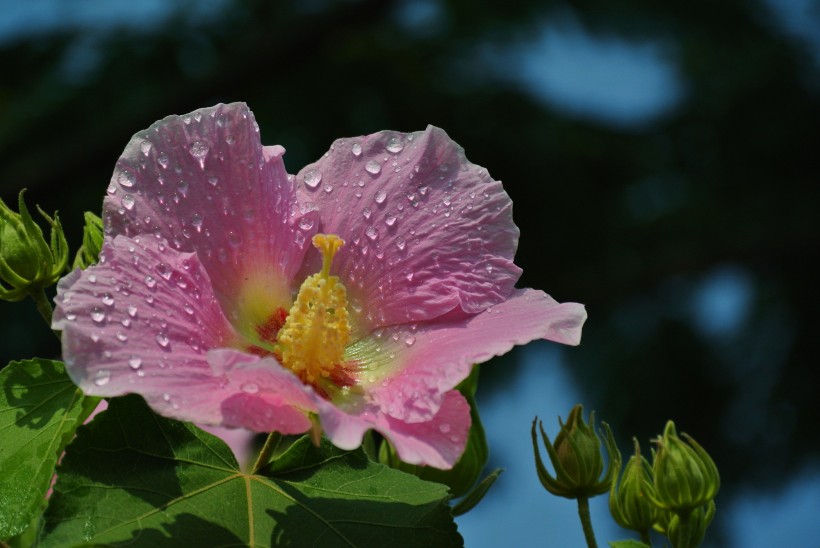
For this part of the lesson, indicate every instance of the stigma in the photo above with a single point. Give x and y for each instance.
(313, 338)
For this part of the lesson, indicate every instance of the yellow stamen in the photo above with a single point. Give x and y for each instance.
(313, 340)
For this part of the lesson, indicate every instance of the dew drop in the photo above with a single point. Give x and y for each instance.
(70, 317)
(188, 309)
(150, 281)
(162, 159)
(164, 271)
(162, 339)
(134, 362)
(132, 310)
(394, 145)
(121, 336)
(373, 167)
(127, 202)
(196, 221)
(390, 220)
(313, 177)
(234, 239)
(102, 377)
(92, 278)
(444, 428)
(126, 178)
(410, 339)
(400, 243)
(249, 388)
(380, 197)
(107, 299)
(199, 149)
(145, 147)
(328, 188)
(356, 149)
(371, 232)
(212, 180)
(97, 315)
(305, 223)
(366, 213)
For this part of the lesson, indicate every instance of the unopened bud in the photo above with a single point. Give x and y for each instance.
(577, 457)
(629, 501)
(685, 476)
(89, 252)
(27, 262)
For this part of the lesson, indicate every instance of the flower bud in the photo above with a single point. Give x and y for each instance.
(686, 531)
(685, 476)
(27, 262)
(629, 501)
(577, 458)
(89, 252)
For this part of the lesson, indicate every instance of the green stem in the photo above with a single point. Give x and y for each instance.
(645, 538)
(685, 528)
(43, 306)
(586, 521)
(271, 444)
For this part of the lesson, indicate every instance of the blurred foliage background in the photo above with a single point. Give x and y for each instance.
(679, 202)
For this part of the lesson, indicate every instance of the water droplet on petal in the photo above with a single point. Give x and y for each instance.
(162, 339)
(313, 177)
(126, 178)
(400, 243)
(97, 315)
(356, 149)
(390, 220)
(92, 278)
(166, 397)
(134, 362)
(366, 212)
(196, 221)
(107, 299)
(249, 388)
(394, 145)
(380, 197)
(162, 158)
(444, 428)
(371, 232)
(373, 167)
(70, 317)
(121, 336)
(305, 223)
(102, 377)
(199, 149)
(410, 339)
(150, 281)
(127, 202)
(145, 147)
(328, 188)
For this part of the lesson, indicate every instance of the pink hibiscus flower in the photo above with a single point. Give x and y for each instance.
(359, 292)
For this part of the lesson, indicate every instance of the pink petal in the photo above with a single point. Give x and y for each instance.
(426, 230)
(142, 321)
(438, 355)
(263, 395)
(438, 442)
(204, 182)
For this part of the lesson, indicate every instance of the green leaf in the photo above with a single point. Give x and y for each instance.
(467, 470)
(132, 477)
(628, 544)
(40, 408)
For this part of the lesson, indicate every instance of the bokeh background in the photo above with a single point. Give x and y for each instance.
(662, 158)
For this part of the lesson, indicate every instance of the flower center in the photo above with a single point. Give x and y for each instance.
(313, 338)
